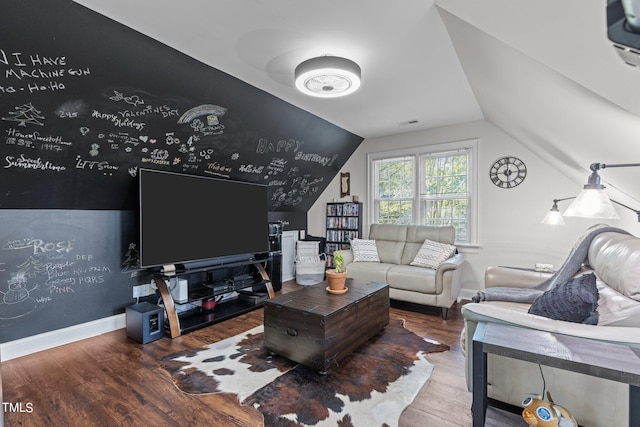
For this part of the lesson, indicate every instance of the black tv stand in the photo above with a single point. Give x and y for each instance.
(211, 282)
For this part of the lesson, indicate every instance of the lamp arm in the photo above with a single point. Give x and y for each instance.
(560, 200)
(596, 166)
(631, 209)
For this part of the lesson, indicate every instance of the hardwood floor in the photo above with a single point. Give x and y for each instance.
(110, 380)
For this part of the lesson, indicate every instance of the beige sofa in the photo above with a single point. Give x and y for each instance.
(397, 246)
(615, 259)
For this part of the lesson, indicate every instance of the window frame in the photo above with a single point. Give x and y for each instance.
(417, 153)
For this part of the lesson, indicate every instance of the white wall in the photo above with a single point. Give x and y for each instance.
(509, 229)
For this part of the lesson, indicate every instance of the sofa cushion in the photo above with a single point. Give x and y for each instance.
(417, 234)
(364, 250)
(432, 254)
(615, 309)
(616, 259)
(390, 241)
(369, 271)
(409, 278)
(573, 301)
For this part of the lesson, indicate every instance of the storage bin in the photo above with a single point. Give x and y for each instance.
(310, 273)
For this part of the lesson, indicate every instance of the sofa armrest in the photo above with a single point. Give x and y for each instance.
(495, 277)
(450, 264)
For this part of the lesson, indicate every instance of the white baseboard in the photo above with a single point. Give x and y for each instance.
(22, 347)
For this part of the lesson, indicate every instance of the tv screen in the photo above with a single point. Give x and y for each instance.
(189, 218)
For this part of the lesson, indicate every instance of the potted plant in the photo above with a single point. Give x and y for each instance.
(336, 276)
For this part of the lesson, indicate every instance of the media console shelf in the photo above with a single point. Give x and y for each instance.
(211, 283)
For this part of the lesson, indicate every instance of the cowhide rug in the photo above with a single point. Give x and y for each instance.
(371, 387)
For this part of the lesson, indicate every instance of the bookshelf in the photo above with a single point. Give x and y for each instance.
(344, 222)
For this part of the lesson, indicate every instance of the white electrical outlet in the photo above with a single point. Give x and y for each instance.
(138, 291)
(142, 290)
(539, 266)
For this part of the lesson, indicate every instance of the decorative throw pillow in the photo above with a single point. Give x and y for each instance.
(307, 251)
(573, 301)
(364, 250)
(432, 254)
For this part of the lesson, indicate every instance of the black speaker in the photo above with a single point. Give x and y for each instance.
(274, 270)
(275, 236)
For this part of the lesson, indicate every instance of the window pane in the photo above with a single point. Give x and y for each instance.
(447, 212)
(395, 178)
(395, 212)
(446, 175)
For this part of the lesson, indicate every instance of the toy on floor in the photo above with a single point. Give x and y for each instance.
(540, 413)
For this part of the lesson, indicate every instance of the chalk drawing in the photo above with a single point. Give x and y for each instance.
(316, 158)
(253, 169)
(198, 126)
(131, 262)
(24, 115)
(202, 110)
(264, 146)
(24, 162)
(218, 169)
(17, 301)
(84, 130)
(94, 150)
(117, 121)
(103, 166)
(134, 100)
(170, 139)
(71, 109)
(37, 137)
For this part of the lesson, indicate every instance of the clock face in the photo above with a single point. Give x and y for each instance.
(508, 172)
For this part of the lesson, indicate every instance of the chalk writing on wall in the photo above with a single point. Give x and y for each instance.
(56, 266)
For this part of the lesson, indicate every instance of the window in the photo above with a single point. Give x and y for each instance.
(430, 185)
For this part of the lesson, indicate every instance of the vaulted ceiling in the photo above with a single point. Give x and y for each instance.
(543, 71)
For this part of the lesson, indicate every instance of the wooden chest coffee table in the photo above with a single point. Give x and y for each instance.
(318, 329)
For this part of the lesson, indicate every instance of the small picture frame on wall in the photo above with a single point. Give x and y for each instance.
(345, 184)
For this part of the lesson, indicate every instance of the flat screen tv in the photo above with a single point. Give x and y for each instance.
(188, 220)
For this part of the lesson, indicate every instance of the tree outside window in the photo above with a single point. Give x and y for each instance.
(395, 190)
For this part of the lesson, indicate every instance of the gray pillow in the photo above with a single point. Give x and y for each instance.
(573, 301)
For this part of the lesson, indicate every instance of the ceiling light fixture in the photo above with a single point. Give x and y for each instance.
(327, 77)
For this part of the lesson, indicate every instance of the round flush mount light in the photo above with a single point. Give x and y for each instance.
(327, 76)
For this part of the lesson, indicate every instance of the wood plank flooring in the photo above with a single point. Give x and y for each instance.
(110, 380)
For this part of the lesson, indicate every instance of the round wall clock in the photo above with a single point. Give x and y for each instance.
(508, 172)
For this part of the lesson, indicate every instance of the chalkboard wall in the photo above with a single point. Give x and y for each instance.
(85, 102)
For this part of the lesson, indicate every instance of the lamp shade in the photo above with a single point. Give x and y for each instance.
(592, 203)
(327, 77)
(553, 217)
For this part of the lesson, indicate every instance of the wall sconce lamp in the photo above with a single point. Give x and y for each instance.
(592, 201)
(327, 77)
(554, 217)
